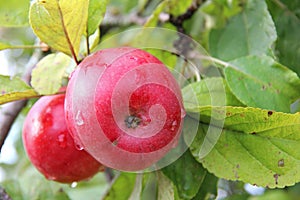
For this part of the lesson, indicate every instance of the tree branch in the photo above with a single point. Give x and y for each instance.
(184, 44)
(10, 111)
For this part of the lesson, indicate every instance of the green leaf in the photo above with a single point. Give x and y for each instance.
(209, 91)
(122, 187)
(186, 174)
(48, 74)
(166, 189)
(221, 11)
(96, 13)
(287, 21)
(14, 13)
(60, 24)
(208, 188)
(262, 82)
(154, 18)
(13, 89)
(176, 7)
(255, 146)
(252, 32)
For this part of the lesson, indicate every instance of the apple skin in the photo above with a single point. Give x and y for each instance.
(124, 107)
(51, 148)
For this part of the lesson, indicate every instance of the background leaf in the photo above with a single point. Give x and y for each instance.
(208, 189)
(175, 7)
(256, 146)
(262, 82)
(13, 89)
(252, 32)
(287, 20)
(14, 13)
(48, 74)
(222, 11)
(4, 46)
(96, 13)
(186, 174)
(60, 24)
(166, 189)
(209, 91)
(122, 187)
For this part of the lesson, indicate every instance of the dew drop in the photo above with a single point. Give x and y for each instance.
(174, 125)
(74, 185)
(62, 140)
(79, 118)
(79, 147)
(51, 178)
(133, 58)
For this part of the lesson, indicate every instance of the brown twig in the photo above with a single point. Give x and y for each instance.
(4, 195)
(184, 43)
(10, 111)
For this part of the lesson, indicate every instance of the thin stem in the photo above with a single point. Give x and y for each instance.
(25, 47)
(216, 60)
(88, 45)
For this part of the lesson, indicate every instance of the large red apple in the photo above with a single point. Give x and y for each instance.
(50, 147)
(124, 107)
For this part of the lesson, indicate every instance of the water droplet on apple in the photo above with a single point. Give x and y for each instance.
(51, 178)
(62, 140)
(79, 147)
(132, 58)
(79, 118)
(74, 185)
(174, 125)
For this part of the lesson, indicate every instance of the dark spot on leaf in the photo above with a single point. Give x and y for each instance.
(238, 166)
(253, 133)
(281, 163)
(270, 84)
(270, 113)
(263, 87)
(276, 176)
(228, 114)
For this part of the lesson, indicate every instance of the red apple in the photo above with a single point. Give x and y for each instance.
(124, 107)
(50, 147)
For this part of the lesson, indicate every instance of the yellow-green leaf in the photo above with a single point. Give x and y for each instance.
(13, 89)
(60, 24)
(48, 74)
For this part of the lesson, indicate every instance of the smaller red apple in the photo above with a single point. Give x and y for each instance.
(51, 148)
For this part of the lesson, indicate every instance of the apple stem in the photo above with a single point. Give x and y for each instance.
(132, 121)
